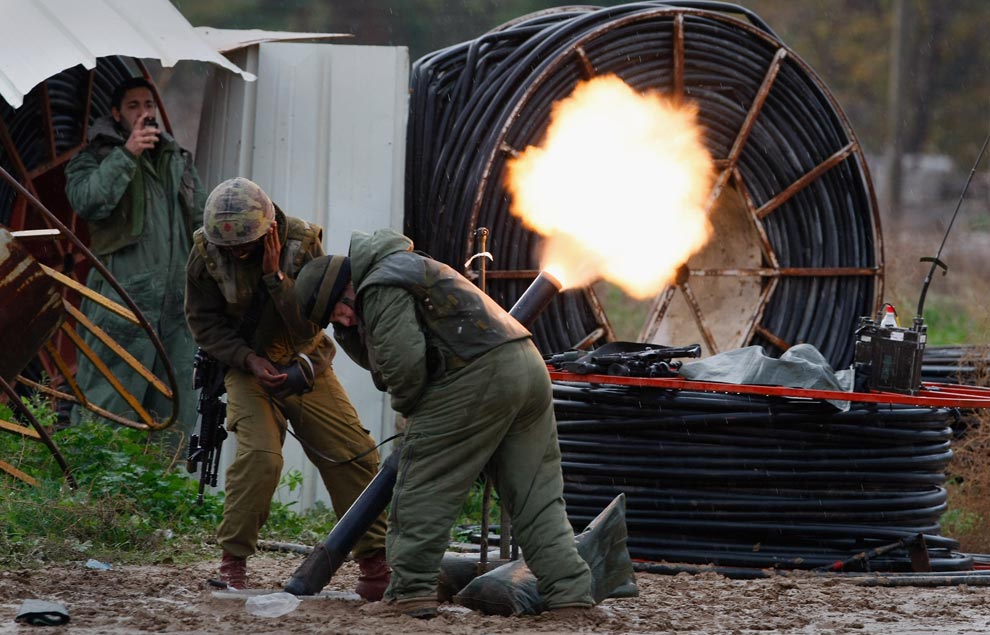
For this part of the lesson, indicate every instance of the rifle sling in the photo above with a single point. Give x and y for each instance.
(249, 323)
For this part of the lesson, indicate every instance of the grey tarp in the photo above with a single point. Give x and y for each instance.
(801, 366)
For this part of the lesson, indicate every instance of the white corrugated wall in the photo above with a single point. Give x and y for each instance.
(323, 132)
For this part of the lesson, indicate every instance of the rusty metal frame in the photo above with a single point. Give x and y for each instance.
(121, 352)
(132, 313)
(50, 357)
(42, 435)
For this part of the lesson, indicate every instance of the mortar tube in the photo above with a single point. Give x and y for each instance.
(315, 572)
(320, 565)
(535, 299)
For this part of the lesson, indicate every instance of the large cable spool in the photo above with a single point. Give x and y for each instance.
(40, 137)
(761, 482)
(797, 253)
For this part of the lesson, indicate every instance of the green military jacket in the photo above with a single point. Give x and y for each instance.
(418, 319)
(219, 291)
(106, 185)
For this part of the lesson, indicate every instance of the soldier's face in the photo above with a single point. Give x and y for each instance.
(134, 107)
(250, 251)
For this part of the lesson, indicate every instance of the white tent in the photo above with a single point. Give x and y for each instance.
(39, 38)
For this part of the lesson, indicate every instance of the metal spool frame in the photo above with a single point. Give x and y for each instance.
(797, 256)
(36, 141)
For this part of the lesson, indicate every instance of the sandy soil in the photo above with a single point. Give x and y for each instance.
(174, 599)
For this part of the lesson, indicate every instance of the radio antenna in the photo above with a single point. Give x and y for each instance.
(936, 262)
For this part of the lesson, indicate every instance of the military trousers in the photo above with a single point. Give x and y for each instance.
(328, 425)
(495, 414)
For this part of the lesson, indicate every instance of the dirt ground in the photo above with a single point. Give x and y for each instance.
(174, 599)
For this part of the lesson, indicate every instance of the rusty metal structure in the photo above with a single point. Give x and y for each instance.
(44, 259)
(797, 255)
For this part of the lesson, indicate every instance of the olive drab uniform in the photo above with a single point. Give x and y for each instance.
(219, 291)
(141, 213)
(478, 397)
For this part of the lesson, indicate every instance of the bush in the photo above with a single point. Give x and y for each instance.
(129, 500)
(134, 501)
(968, 518)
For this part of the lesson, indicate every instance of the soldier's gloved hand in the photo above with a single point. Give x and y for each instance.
(265, 371)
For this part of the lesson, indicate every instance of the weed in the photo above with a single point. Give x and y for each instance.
(134, 502)
(968, 486)
(626, 314)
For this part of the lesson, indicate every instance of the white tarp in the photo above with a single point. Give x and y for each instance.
(225, 40)
(39, 38)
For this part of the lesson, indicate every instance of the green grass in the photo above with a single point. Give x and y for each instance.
(626, 315)
(127, 506)
(134, 502)
(949, 325)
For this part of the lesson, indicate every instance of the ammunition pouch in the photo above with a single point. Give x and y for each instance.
(300, 377)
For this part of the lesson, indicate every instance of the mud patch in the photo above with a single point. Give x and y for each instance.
(174, 599)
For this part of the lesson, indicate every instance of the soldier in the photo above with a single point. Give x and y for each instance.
(142, 198)
(477, 396)
(241, 310)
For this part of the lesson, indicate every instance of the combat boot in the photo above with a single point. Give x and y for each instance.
(374, 578)
(233, 571)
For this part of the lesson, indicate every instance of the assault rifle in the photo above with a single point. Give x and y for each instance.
(630, 359)
(204, 448)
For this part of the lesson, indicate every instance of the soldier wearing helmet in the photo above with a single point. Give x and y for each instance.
(241, 310)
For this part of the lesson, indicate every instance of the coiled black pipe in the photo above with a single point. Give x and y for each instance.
(472, 102)
(751, 481)
(956, 365)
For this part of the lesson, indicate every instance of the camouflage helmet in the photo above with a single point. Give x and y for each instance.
(237, 212)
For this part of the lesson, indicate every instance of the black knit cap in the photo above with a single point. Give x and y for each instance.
(320, 285)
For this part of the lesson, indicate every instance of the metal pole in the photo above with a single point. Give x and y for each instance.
(481, 235)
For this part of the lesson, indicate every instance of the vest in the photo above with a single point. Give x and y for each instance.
(300, 239)
(452, 311)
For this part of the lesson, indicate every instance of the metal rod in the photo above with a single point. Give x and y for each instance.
(14, 400)
(481, 235)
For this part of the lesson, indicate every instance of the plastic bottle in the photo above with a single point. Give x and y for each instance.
(272, 604)
(889, 319)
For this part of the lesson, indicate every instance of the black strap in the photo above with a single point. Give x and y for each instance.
(249, 323)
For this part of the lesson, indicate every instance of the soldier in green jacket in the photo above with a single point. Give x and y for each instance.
(241, 310)
(477, 396)
(142, 199)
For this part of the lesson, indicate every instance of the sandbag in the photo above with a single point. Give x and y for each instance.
(511, 589)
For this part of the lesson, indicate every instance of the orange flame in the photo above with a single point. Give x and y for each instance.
(619, 188)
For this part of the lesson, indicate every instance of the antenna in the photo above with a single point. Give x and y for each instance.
(936, 262)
